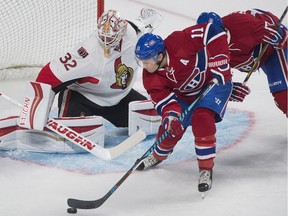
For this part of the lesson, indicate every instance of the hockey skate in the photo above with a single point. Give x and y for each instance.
(148, 162)
(205, 182)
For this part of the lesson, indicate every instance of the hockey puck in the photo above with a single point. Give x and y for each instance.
(72, 210)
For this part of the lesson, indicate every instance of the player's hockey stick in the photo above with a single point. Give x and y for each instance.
(254, 66)
(83, 142)
(92, 204)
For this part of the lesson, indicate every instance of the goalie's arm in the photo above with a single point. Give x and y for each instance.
(48, 77)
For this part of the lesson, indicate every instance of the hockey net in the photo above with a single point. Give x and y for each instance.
(32, 32)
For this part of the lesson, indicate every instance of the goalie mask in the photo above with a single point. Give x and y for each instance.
(111, 29)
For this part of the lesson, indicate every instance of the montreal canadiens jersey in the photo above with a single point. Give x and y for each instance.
(103, 80)
(191, 54)
(246, 31)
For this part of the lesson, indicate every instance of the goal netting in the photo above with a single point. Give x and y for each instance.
(34, 31)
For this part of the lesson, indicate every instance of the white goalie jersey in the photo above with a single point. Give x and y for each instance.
(104, 76)
(104, 81)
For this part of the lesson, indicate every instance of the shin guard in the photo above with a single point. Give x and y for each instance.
(204, 130)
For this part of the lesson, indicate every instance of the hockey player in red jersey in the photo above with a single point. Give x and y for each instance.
(248, 32)
(97, 76)
(176, 70)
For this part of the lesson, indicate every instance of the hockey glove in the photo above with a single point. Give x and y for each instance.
(276, 38)
(239, 92)
(171, 123)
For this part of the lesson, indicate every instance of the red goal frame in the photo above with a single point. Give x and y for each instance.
(100, 8)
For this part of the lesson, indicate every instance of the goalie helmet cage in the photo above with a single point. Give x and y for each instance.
(32, 32)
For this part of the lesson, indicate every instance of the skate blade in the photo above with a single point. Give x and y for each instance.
(204, 194)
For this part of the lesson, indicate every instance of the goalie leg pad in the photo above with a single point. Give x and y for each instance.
(142, 115)
(36, 106)
(12, 137)
(8, 133)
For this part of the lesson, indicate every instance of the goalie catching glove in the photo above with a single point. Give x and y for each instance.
(239, 92)
(171, 123)
(148, 20)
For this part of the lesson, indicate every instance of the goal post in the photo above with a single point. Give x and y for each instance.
(100, 8)
(32, 32)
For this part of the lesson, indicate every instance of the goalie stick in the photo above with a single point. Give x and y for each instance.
(263, 50)
(92, 204)
(83, 142)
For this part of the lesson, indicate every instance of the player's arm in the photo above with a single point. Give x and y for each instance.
(215, 40)
(165, 103)
(267, 25)
(76, 65)
(47, 76)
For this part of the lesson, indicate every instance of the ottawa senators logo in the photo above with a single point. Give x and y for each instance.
(123, 76)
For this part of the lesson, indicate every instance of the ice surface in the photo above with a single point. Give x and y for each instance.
(250, 175)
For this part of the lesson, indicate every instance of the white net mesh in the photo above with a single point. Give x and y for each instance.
(34, 31)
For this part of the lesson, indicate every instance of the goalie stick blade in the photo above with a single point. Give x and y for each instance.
(131, 141)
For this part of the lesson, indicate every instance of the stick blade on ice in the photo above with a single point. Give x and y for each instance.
(85, 204)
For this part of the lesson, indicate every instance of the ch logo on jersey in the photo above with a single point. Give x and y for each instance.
(193, 83)
(247, 65)
(123, 76)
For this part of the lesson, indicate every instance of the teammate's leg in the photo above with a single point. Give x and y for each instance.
(275, 67)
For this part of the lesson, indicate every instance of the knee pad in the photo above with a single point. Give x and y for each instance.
(203, 122)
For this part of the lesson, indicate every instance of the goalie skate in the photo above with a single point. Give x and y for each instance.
(205, 182)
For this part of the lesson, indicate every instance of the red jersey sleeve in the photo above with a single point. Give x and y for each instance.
(252, 29)
(161, 93)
